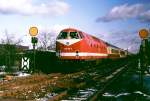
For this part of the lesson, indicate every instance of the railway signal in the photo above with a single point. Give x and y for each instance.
(143, 33)
(144, 48)
(144, 54)
(33, 31)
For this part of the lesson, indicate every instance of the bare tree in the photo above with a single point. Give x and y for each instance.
(46, 41)
(10, 39)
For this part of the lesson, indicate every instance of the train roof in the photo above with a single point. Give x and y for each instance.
(95, 38)
(112, 45)
(69, 29)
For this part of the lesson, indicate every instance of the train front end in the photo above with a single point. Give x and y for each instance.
(68, 44)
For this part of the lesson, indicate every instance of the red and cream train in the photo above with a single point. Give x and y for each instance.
(73, 44)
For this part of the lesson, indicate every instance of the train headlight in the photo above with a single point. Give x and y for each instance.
(67, 43)
(77, 53)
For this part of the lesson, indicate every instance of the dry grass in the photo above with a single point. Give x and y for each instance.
(35, 86)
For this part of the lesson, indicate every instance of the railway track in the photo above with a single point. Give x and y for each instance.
(108, 80)
(111, 79)
(102, 79)
(83, 85)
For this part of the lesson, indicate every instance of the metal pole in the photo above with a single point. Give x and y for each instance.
(141, 77)
(34, 53)
(142, 61)
(141, 66)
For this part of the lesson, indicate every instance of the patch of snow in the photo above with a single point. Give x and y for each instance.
(122, 94)
(20, 74)
(2, 73)
(139, 92)
(108, 95)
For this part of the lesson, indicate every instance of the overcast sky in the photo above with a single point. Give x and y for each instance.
(115, 21)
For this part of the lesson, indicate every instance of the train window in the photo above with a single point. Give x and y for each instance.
(114, 51)
(74, 35)
(63, 35)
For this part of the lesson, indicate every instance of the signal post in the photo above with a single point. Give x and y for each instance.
(143, 33)
(143, 53)
(33, 31)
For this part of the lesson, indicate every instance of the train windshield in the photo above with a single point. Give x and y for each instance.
(74, 35)
(63, 35)
(67, 35)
